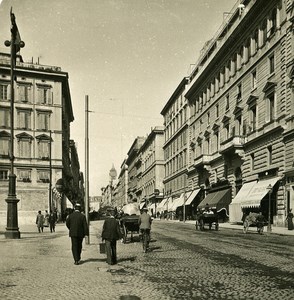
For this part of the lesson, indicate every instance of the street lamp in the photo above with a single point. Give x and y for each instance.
(269, 226)
(12, 230)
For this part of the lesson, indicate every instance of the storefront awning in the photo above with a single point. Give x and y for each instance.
(249, 195)
(258, 191)
(172, 205)
(192, 196)
(161, 205)
(244, 192)
(219, 200)
(182, 199)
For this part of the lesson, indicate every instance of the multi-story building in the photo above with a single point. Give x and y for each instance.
(151, 170)
(241, 105)
(42, 149)
(121, 190)
(131, 161)
(176, 149)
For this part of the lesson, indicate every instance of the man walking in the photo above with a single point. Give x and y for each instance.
(77, 224)
(111, 233)
(52, 221)
(145, 227)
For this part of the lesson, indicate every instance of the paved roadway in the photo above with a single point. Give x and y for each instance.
(183, 264)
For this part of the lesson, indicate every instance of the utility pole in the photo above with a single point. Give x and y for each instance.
(12, 230)
(87, 164)
(50, 172)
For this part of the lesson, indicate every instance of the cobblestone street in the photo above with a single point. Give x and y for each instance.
(182, 264)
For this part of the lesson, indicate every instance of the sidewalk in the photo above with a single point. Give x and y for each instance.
(275, 229)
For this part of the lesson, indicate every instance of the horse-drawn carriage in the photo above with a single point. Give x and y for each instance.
(254, 220)
(129, 220)
(207, 218)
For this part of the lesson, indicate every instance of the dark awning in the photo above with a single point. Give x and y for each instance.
(219, 200)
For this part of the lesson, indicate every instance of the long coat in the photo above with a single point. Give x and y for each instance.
(40, 220)
(77, 225)
(111, 230)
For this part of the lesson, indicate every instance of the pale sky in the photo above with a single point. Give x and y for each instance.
(127, 55)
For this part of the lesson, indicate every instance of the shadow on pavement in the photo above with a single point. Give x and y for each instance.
(84, 261)
(132, 258)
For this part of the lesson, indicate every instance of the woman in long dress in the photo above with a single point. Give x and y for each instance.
(289, 219)
(46, 219)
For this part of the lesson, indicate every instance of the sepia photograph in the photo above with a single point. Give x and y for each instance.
(146, 149)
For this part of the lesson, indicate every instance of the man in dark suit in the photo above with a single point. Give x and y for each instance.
(111, 233)
(78, 228)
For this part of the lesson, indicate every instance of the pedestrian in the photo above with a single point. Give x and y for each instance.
(40, 221)
(289, 219)
(46, 219)
(111, 233)
(78, 228)
(144, 222)
(52, 221)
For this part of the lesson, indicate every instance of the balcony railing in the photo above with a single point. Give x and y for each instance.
(231, 144)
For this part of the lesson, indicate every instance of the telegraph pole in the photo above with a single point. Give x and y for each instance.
(12, 230)
(50, 173)
(87, 164)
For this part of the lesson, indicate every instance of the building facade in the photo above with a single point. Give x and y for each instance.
(131, 161)
(241, 111)
(42, 148)
(151, 166)
(176, 148)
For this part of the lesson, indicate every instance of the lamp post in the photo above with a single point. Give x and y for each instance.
(269, 226)
(184, 207)
(12, 230)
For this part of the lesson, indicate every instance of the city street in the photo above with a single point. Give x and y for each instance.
(183, 264)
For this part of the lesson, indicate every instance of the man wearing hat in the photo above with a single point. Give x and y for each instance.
(77, 224)
(145, 227)
(111, 233)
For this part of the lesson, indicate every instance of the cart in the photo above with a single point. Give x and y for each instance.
(129, 220)
(250, 221)
(207, 219)
(129, 225)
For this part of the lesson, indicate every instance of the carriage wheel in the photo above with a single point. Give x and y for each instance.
(125, 234)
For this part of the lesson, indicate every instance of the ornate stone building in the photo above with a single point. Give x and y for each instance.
(241, 112)
(44, 154)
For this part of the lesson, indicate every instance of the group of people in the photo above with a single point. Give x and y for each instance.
(111, 232)
(46, 220)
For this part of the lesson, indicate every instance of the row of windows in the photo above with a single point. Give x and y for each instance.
(177, 122)
(238, 126)
(25, 175)
(173, 110)
(24, 119)
(195, 107)
(24, 93)
(176, 145)
(248, 49)
(176, 184)
(269, 158)
(176, 164)
(24, 147)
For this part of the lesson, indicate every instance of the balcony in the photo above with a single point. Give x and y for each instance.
(232, 145)
(202, 160)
